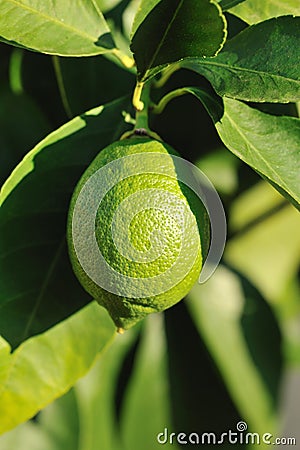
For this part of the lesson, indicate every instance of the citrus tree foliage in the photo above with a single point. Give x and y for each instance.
(219, 81)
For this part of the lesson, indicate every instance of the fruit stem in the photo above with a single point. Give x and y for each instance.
(136, 99)
(141, 102)
(159, 108)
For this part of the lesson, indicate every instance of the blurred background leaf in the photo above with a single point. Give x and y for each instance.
(235, 322)
(146, 408)
(253, 11)
(265, 228)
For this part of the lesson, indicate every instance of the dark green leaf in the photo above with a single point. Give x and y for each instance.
(64, 28)
(260, 64)
(46, 366)
(92, 81)
(145, 7)
(21, 111)
(169, 32)
(253, 11)
(38, 287)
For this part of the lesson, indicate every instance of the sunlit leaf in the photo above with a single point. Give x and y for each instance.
(67, 28)
(46, 366)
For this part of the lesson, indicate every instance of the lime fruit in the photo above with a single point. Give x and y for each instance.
(151, 231)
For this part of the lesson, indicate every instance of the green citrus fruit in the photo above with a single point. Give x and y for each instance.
(137, 234)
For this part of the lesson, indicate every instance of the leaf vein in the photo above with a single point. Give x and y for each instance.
(44, 286)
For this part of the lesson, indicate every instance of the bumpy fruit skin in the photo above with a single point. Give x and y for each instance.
(126, 311)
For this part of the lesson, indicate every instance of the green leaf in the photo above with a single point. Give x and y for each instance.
(89, 82)
(46, 366)
(144, 8)
(38, 287)
(22, 111)
(201, 33)
(64, 27)
(260, 64)
(269, 144)
(227, 4)
(84, 418)
(253, 11)
(146, 408)
(107, 5)
(226, 310)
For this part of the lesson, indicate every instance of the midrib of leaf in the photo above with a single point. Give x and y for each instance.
(44, 286)
(53, 19)
(165, 34)
(258, 154)
(244, 69)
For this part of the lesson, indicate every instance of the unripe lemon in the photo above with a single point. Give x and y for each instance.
(137, 234)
